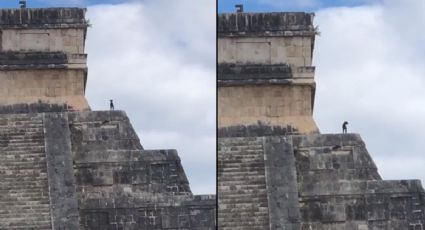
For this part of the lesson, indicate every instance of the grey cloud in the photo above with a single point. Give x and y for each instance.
(159, 67)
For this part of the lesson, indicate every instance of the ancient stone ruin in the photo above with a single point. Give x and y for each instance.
(63, 166)
(275, 169)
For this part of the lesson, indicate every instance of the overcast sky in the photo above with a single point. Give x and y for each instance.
(370, 71)
(156, 59)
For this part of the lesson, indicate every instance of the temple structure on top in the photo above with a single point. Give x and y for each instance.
(65, 167)
(265, 71)
(42, 59)
(275, 170)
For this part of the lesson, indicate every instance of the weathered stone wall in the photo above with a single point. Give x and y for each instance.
(121, 185)
(62, 186)
(87, 170)
(54, 86)
(282, 192)
(108, 158)
(340, 187)
(295, 51)
(272, 105)
(314, 182)
(43, 40)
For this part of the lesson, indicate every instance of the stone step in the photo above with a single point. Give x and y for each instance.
(237, 164)
(241, 160)
(22, 166)
(248, 223)
(23, 148)
(18, 138)
(242, 194)
(245, 217)
(242, 169)
(5, 144)
(240, 155)
(20, 117)
(37, 162)
(33, 214)
(24, 208)
(11, 126)
(237, 199)
(240, 176)
(35, 225)
(245, 227)
(259, 219)
(231, 182)
(250, 206)
(23, 175)
(254, 193)
(28, 157)
(12, 132)
(39, 197)
(15, 158)
(24, 199)
(18, 142)
(22, 153)
(30, 211)
(239, 150)
(238, 147)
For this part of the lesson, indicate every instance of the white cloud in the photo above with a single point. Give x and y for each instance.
(369, 71)
(159, 66)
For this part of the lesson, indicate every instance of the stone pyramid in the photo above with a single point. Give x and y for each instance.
(63, 166)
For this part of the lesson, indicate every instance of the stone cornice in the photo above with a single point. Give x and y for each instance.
(41, 60)
(43, 18)
(265, 24)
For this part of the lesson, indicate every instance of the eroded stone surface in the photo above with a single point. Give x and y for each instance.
(88, 170)
(313, 182)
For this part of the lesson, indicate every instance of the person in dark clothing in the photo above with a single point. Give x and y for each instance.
(344, 127)
(111, 105)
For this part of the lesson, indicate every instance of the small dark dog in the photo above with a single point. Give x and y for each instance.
(111, 105)
(344, 127)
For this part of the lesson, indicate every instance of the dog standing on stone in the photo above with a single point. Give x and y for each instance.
(344, 127)
(111, 105)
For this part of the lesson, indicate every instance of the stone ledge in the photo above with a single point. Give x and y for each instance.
(361, 187)
(258, 130)
(41, 60)
(40, 107)
(43, 18)
(265, 24)
(255, 82)
(253, 71)
(263, 74)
